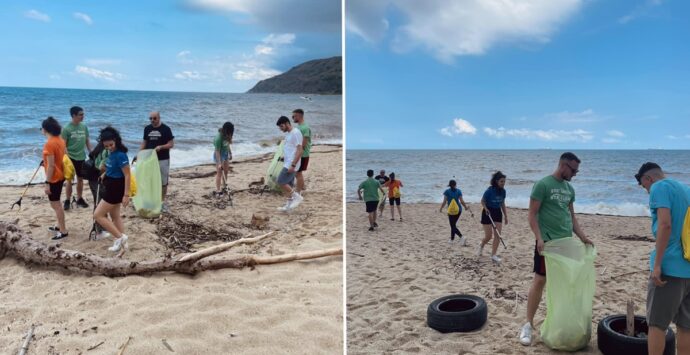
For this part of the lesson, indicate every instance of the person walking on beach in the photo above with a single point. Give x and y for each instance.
(371, 189)
(453, 196)
(292, 153)
(116, 180)
(76, 137)
(394, 195)
(222, 154)
(382, 179)
(668, 289)
(298, 117)
(159, 136)
(551, 216)
(53, 153)
(493, 210)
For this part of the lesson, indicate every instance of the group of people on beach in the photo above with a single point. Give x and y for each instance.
(552, 216)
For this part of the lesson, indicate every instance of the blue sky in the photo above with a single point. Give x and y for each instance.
(175, 45)
(561, 74)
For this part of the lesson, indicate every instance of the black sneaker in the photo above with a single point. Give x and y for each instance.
(82, 203)
(54, 229)
(371, 229)
(376, 225)
(66, 205)
(60, 235)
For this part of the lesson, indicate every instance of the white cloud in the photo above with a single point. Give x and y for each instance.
(263, 50)
(254, 71)
(462, 27)
(98, 74)
(459, 126)
(587, 115)
(183, 53)
(280, 15)
(97, 62)
(578, 135)
(38, 16)
(615, 133)
(183, 57)
(283, 38)
(189, 75)
(84, 17)
(640, 10)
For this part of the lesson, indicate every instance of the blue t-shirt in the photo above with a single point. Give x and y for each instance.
(453, 195)
(675, 196)
(113, 166)
(494, 197)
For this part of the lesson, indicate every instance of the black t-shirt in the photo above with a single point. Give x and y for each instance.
(381, 179)
(155, 136)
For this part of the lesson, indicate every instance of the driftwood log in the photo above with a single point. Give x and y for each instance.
(23, 247)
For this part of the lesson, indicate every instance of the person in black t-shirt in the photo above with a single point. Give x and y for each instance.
(159, 136)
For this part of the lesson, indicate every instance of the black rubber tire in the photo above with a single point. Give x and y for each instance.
(457, 313)
(610, 341)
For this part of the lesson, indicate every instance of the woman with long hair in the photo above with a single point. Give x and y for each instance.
(493, 209)
(394, 195)
(453, 196)
(116, 180)
(53, 152)
(222, 154)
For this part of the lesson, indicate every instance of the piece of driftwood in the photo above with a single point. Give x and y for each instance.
(25, 248)
(124, 346)
(95, 346)
(221, 247)
(630, 319)
(168, 345)
(25, 346)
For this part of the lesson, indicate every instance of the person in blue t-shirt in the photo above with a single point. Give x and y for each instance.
(668, 290)
(116, 185)
(454, 195)
(493, 208)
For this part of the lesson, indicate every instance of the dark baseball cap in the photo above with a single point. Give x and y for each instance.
(645, 168)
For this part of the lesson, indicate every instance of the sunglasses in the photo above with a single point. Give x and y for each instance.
(153, 118)
(639, 178)
(574, 171)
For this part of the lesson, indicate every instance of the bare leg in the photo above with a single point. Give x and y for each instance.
(682, 340)
(117, 218)
(300, 181)
(80, 187)
(534, 296)
(165, 191)
(68, 189)
(101, 216)
(656, 341)
(487, 234)
(399, 212)
(372, 219)
(60, 214)
(392, 211)
(226, 168)
(494, 248)
(287, 190)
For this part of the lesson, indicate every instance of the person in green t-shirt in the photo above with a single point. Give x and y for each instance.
(371, 188)
(298, 117)
(222, 154)
(551, 216)
(76, 137)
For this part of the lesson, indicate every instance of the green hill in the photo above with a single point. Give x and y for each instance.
(320, 76)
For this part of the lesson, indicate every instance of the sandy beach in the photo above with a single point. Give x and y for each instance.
(293, 307)
(394, 273)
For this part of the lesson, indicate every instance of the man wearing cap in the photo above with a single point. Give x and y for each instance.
(668, 289)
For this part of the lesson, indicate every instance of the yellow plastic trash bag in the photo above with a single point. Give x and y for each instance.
(132, 185)
(148, 199)
(570, 284)
(67, 168)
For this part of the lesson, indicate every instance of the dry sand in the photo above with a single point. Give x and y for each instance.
(394, 273)
(293, 307)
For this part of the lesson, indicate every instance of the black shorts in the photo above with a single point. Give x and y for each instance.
(371, 206)
(78, 167)
(55, 190)
(304, 162)
(113, 190)
(539, 262)
(394, 200)
(496, 215)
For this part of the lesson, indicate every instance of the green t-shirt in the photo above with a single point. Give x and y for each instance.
(306, 133)
(554, 217)
(221, 144)
(371, 189)
(75, 140)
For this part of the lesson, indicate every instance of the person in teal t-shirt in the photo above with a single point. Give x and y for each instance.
(222, 154)
(668, 289)
(298, 117)
(551, 216)
(371, 188)
(76, 137)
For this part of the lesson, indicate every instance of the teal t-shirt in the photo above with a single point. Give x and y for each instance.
(306, 133)
(675, 196)
(371, 189)
(75, 140)
(221, 144)
(554, 217)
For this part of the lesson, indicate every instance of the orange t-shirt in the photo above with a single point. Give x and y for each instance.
(391, 187)
(55, 146)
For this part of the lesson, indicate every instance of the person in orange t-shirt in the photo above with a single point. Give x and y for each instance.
(394, 195)
(53, 152)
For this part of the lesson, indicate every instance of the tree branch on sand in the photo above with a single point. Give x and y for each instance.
(16, 243)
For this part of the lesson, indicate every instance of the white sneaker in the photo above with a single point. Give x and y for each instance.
(450, 241)
(526, 334)
(103, 235)
(296, 200)
(286, 206)
(496, 259)
(480, 249)
(463, 241)
(119, 244)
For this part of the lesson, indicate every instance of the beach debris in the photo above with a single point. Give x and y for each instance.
(259, 183)
(168, 345)
(355, 254)
(634, 237)
(181, 235)
(124, 346)
(630, 318)
(196, 174)
(603, 271)
(260, 220)
(95, 346)
(25, 345)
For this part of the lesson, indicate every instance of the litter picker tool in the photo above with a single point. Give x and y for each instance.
(496, 229)
(93, 234)
(226, 189)
(19, 202)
